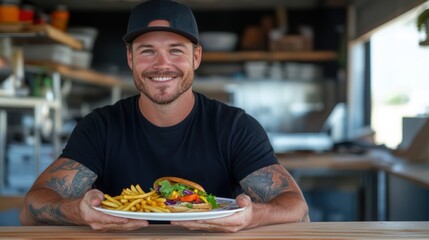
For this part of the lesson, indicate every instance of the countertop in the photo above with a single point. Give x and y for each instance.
(375, 160)
(315, 230)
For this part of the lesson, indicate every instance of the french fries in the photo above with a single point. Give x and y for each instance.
(134, 199)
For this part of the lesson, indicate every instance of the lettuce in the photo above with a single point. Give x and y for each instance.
(167, 188)
(212, 200)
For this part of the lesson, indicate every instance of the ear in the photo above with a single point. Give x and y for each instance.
(130, 56)
(198, 52)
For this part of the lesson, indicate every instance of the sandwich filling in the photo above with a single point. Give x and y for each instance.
(184, 195)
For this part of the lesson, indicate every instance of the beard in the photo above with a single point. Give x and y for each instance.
(161, 95)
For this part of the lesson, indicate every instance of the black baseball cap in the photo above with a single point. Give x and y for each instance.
(180, 17)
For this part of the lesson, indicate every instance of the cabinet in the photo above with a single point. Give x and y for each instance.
(34, 155)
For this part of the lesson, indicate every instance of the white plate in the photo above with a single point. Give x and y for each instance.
(226, 207)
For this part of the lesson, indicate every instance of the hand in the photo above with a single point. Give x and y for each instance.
(232, 223)
(100, 221)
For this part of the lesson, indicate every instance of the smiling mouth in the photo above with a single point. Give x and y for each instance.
(162, 76)
(161, 79)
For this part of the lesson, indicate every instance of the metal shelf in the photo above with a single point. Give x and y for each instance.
(24, 33)
(46, 34)
(27, 102)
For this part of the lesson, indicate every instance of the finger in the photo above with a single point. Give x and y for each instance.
(224, 222)
(94, 197)
(108, 219)
(193, 225)
(130, 225)
(243, 200)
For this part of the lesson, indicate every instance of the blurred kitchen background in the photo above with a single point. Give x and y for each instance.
(330, 77)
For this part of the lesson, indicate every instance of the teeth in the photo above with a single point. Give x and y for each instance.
(161, 79)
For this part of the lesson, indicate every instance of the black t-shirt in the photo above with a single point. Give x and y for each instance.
(216, 146)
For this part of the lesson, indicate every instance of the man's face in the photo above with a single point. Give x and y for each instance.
(163, 65)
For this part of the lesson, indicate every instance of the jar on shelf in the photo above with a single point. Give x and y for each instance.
(9, 11)
(26, 13)
(60, 17)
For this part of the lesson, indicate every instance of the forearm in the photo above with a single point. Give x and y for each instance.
(46, 207)
(276, 197)
(285, 208)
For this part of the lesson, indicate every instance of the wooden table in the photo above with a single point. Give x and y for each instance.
(315, 230)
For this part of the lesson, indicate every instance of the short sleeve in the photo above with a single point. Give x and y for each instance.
(251, 148)
(86, 143)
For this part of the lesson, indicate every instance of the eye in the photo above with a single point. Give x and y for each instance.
(176, 51)
(146, 52)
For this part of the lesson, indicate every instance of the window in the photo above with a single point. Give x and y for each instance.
(399, 79)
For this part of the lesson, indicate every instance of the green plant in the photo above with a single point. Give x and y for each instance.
(422, 18)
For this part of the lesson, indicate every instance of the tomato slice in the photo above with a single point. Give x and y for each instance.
(189, 198)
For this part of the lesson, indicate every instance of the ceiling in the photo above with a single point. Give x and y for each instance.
(126, 5)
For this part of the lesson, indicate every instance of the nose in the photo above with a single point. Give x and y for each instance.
(161, 61)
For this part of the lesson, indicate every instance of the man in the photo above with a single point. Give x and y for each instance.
(167, 130)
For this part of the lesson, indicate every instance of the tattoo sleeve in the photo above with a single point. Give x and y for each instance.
(266, 183)
(81, 182)
(69, 179)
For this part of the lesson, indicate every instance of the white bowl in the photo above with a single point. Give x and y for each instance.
(87, 35)
(218, 41)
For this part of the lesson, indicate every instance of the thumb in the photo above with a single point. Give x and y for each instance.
(94, 197)
(243, 200)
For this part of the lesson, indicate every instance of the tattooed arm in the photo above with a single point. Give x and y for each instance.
(62, 195)
(274, 198)
(58, 188)
(280, 197)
